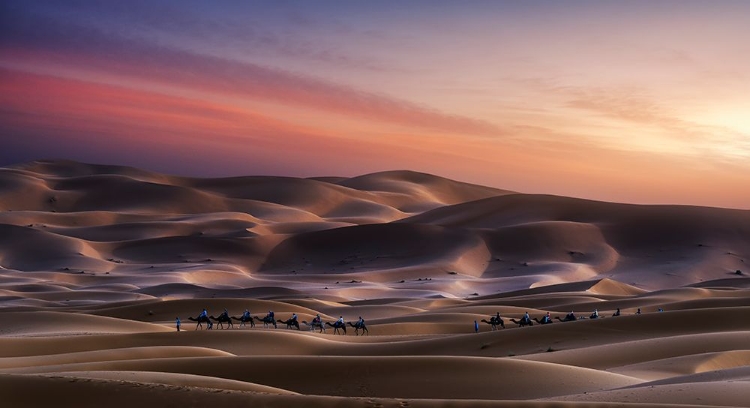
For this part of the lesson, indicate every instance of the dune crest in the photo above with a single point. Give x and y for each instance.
(97, 262)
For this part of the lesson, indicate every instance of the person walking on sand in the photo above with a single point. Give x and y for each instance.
(177, 323)
(476, 327)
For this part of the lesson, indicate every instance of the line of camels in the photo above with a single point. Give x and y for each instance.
(225, 320)
(496, 321)
(340, 328)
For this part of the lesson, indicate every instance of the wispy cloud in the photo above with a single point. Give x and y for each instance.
(644, 112)
(90, 50)
(633, 118)
(546, 96)
(88, 120)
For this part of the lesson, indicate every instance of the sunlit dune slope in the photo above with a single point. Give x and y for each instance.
(98, 262)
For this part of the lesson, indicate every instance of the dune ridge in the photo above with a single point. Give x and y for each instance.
(97, 262)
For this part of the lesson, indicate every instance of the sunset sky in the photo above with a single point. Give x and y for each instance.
(630, 101)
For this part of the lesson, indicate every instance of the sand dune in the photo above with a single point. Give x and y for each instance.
(727, 394)
(377, 247)
(417, 192)
(687, 364)
(97, 261)
(626, 353)
(133, 353)
(181, 380)
(120, 393)
(57, 323)
(384, 377)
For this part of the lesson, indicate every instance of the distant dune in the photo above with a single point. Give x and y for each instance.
(96, 262)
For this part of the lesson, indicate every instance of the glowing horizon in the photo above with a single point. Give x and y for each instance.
(640, 102)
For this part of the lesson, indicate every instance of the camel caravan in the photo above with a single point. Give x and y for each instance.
(339, 326)
(526, 320)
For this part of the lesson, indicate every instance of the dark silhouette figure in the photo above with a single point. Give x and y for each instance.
(315, 324)
(494, 322)
(545, 320)
(244, 320)
(523, 322)
(289, 323)
(266, 321)
(570, 317)
(359, 326)
(201, 320)
(222, 320)
(336, 326)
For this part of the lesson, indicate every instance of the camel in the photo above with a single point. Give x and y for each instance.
(357, 326)
(569, 318)
(222, 319)
(315, 324)
(336, 326)
(266, 321)
(522, 322)
(200, 321)
(244, 319)
(289, 323)
(543, 321)
(494, 322)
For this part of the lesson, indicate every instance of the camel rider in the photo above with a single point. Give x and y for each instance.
(270, 314)
(294, 317)
(225, 314)
(595, 315)
(571, 316)
(639, 311)
(526, 317)
(204, 314)
(360, 322)
(340, 321)
(246, 315)
(617, 313)
(316, 320)
(547, 319)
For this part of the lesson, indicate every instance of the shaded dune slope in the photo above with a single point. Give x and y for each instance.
(97, 262)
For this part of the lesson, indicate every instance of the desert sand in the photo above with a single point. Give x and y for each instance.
(96, 262)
